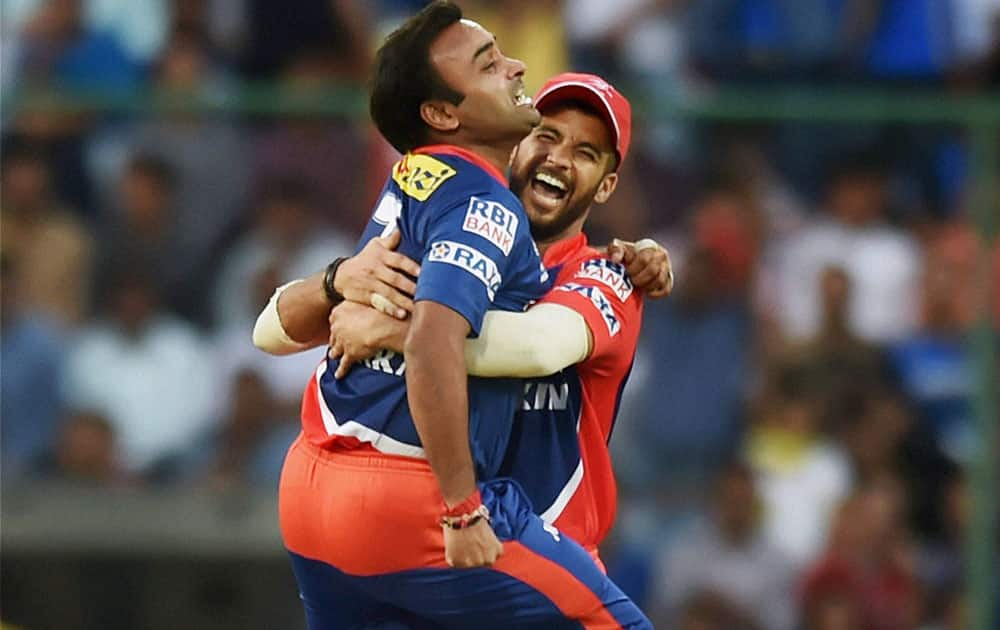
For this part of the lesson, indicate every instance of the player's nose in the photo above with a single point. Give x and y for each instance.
(559, 156)
(515, 68)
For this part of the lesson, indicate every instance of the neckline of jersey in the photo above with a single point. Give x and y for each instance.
(561, 251)
(467, 155)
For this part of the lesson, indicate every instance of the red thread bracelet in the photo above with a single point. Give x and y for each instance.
(468, 506)
(466, 520)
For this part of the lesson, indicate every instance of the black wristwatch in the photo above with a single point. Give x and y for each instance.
(328, 277)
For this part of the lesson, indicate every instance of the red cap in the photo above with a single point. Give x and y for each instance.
(594, 90)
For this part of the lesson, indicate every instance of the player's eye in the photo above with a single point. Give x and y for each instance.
(490, 67)
(587, 154)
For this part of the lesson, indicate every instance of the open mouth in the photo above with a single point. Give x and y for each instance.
(520, 98)
(548, 186)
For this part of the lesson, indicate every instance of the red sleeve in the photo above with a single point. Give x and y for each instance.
(602, 293)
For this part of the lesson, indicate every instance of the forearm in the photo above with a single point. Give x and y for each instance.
(304, 310)
(541, 341)
(269, 334)
(437, 393)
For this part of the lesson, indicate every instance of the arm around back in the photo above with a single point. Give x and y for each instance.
(540, 341)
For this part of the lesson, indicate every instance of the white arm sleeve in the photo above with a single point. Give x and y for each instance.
(268, 333)
(540, 341)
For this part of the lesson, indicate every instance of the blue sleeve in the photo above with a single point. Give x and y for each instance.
(470, 247)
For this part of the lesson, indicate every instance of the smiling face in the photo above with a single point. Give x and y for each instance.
(494, 107)
(561, 168)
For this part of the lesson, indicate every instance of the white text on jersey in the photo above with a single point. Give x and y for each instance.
(545, 396)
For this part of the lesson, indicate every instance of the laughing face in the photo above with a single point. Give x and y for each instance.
(561, 168)
(495, 107)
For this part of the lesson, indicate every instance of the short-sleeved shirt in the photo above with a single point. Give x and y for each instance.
(559, 447)
(471, 234)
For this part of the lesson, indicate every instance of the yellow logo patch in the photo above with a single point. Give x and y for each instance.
(420, 175)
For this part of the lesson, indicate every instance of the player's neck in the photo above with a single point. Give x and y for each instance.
(495, 153)
(570, 232)
(497, 157)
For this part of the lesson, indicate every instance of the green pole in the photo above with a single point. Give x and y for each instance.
(981, 556)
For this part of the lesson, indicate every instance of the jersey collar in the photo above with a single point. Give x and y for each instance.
(465, 154)
(562, 251)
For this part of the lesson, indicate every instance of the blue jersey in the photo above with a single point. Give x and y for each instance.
(457, 216)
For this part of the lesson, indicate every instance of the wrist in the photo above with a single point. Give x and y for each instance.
(465, 506)
(466, 521)
(466, 513)
(329, 281)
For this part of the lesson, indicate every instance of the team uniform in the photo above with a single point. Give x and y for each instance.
(359, 504)
(559, 447)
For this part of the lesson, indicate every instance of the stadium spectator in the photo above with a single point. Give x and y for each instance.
(882, 262)
(326, 152)
(288, 235)
(698, 342)
(248, 446)
(868, 562)
(708, 611)
(58, 48)
(801, 474)
(287, 240)
(763, 39)
(209, 156)
(836, 362)
(84, 452)
(728, 555)
(901, 40)
(145, 371)
(141, 227)
(31, 354)
(140, 26)
(50, 250)
(932, 364)
(276, 34)
(872, 425)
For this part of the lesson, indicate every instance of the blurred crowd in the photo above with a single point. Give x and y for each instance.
(792, 442)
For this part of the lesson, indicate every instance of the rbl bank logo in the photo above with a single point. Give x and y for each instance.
(492, 221)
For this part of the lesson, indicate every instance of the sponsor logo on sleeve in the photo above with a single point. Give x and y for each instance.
(610, 274)
(601, 303)
(492, 221)
(420, 175)
(470, 260)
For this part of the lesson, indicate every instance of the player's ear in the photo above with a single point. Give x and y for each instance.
(439, 115)
(606, 187)
(513, 155)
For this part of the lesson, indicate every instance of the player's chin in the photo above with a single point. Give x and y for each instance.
(542, 222)
(526, 117)
(539, 214)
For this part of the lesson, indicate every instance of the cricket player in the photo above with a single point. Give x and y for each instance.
(390, 503)
(579, 341)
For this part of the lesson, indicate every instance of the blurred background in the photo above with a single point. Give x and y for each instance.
(808, 438)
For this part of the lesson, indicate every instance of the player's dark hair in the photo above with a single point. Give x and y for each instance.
(404, 77)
